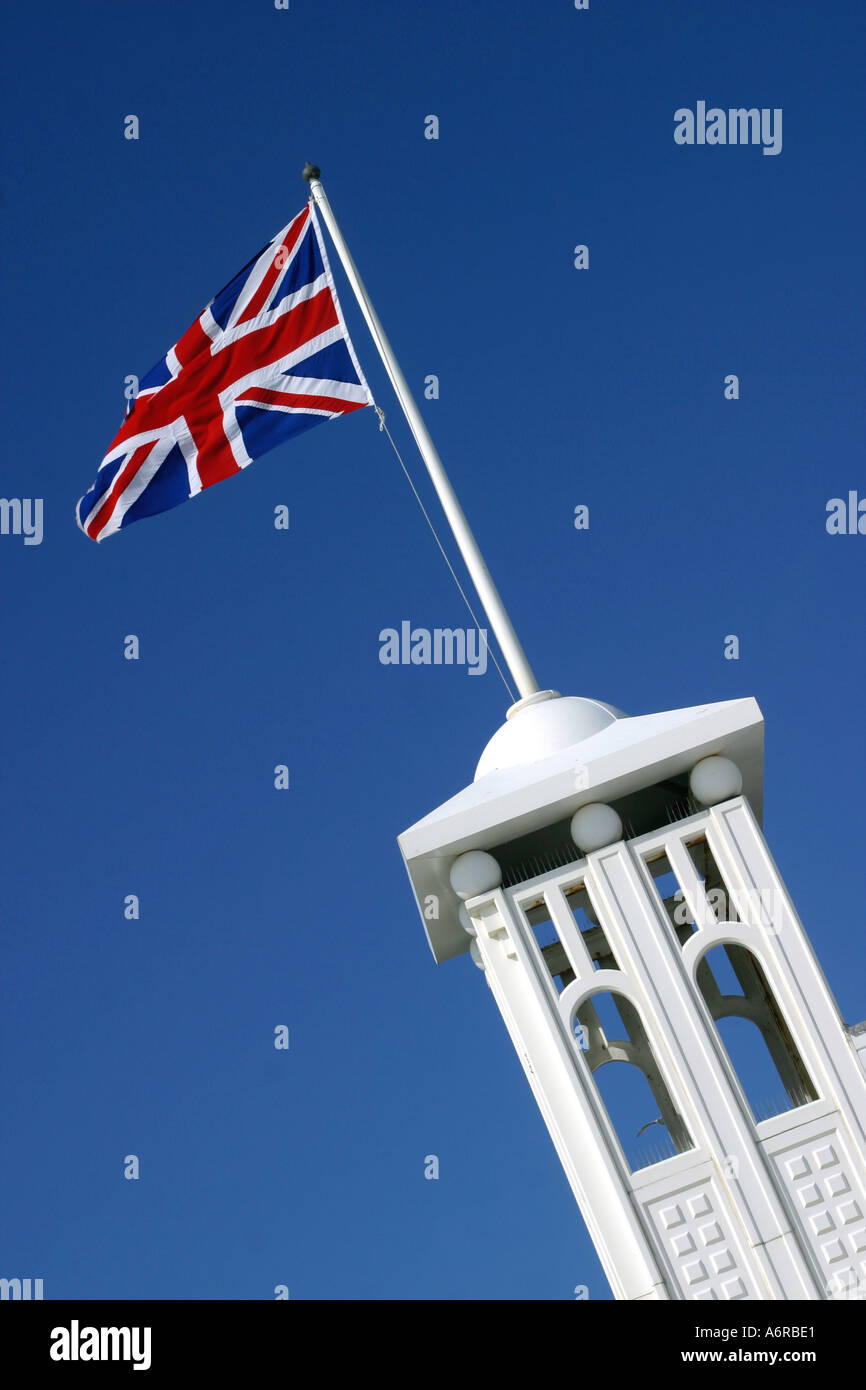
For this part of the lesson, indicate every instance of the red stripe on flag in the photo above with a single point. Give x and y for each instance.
(256, 396)
(125, 476)
(272, 274)
(194, 343)
(308, 319)
(204, 373)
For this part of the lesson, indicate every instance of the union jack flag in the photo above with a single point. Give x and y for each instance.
(269, 357)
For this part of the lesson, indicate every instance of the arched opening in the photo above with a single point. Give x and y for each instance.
(630, 1085)
(755, 1036)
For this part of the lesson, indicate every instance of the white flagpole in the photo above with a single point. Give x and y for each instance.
(487, 591)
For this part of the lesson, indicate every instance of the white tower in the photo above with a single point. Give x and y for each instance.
(611, 879)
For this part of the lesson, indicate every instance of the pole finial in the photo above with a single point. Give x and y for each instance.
(311, 171)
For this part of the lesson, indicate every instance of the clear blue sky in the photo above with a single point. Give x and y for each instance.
(259, 647)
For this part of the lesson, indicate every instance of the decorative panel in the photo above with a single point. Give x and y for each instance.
(695, 1234)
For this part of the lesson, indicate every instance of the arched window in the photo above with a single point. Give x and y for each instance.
(611, 1035)
(754, 1033)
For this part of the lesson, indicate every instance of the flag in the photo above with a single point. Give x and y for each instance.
(269, 357)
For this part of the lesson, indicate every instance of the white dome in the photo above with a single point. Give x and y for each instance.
(543, 724)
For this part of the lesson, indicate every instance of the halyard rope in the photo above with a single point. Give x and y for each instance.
(383, 426)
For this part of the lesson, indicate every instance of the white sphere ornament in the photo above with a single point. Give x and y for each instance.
(475, 953)
(474, 872)
(594, 826)
(715, 779)
(466, 921)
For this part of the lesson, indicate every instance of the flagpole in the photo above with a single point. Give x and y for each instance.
(493, 606)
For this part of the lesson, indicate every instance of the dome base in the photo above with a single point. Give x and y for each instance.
(542, 724)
